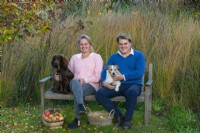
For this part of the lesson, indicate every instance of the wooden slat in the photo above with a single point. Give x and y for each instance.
(149, 83)
(50, 95)
(45, 79)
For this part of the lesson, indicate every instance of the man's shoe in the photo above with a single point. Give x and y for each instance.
(75, 124)
(119, 121)
(82, 109)
(127, 125)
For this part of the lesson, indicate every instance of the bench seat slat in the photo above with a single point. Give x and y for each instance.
(50, 95)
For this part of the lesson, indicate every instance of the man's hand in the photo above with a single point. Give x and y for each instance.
(118, 77)
(107, 85)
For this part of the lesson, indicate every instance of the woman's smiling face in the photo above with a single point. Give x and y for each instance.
(84, 46)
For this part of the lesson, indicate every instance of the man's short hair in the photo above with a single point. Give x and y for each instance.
(124, 36)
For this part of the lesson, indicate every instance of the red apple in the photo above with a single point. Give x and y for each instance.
(47, 113)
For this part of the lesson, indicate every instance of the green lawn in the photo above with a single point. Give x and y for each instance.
(27, 119)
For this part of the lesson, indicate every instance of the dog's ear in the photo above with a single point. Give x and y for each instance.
(64, 62)
(108, 66)
(52, 60)
(70, 75)
(117, 66)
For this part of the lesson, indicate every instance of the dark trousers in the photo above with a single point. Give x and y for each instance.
(130, 91)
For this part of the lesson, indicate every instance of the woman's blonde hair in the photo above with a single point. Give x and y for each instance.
(87, 38)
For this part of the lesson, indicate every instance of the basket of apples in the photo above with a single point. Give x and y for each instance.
(52, 118)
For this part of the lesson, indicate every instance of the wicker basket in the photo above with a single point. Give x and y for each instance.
(53, 124)
(56, 123)
(100, 118)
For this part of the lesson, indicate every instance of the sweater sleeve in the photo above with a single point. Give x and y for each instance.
(95, 78)
(71, 64)
(140, 69)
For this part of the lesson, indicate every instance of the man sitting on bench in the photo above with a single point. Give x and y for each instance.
(131, 65)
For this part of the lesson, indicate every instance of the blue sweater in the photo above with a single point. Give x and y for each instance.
(132, 67)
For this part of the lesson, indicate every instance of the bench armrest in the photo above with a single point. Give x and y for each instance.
(45, 79)
(149, 83)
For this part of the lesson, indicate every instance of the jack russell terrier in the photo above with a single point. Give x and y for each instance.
(112, 70)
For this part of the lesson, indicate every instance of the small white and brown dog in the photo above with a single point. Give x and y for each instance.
(112, 70)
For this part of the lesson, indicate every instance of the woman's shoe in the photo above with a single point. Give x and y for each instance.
(127, 125)
(82, 109)
(119, 121)
(75, 124)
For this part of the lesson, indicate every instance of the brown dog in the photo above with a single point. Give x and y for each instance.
(60, 63)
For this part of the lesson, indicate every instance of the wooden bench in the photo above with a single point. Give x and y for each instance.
(146, 95)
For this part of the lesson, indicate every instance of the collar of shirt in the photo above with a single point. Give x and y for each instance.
(132, 52)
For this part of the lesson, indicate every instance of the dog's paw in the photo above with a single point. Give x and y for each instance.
(117, 89)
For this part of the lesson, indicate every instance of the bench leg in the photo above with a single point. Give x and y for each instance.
(148, 104)
(42, 105)
(42, 97)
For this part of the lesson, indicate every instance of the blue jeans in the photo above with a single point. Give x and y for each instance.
(79, 92)
(130, 91)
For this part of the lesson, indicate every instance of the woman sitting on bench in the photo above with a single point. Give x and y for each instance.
(86, 67)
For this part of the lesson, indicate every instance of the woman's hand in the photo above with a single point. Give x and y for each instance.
(57, 77)
(82, 81)
(107, 85)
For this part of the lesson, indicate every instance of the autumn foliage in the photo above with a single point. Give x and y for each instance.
(19, 18)
(23, 17)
